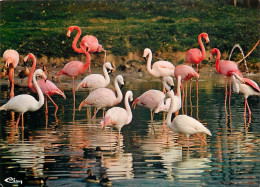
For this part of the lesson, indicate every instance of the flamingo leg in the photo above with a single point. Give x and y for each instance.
(201, 139)
(95, 113)
(11, 79)
(104, 111)
(22, 122)
(188, 141)
(226, 95)
(164, 121)
(182, 98)
(56, 106)
(229, 101)
(190, 97)
(73, 92)
(245, 109)
(249, 111)
(18, 119)
(46, 106)
(186, 94)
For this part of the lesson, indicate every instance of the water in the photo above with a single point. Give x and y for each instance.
(53, 147)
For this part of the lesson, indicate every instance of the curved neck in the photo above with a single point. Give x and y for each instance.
(30, 84)
(106, 75)
(202, 48)
(118, 92)
(149, 63)
(75, 41)
(169, 114)
(87, 64)
(128, 109)
(39, 91)
(179, 88)
(217, 60)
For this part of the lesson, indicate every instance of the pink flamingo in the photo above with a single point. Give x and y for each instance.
(149, 99)
(104, 97)
(117, 116)
(11, 58)
(159, 69)
(89, 42)
(187, 73)
(247, 87)
(24, 102)
(95, 81)
(194, 55)
(48, 88)
(226, 68)
(73, 69)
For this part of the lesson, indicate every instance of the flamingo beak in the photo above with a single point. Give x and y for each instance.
(110, 71)
(68, 33)
(145, 58)
(83, 103)
(121, 86)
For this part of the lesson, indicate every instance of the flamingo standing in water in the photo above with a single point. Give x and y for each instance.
(48, 88)
(151, 98)
(11, 58)
(89, 42)
(184, 124)
(104, 97)
(226, 68)
(117, 116)
(159, 69)
(95, 81)
(24, 102)
(73, 69)
(165, 106)
(247, 87)
(187, 73)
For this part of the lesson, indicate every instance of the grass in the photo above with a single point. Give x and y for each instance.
(126, 26)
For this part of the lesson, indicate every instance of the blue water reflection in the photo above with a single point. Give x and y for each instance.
(61, 149)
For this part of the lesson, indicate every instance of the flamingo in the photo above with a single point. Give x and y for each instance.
(165, 105)
(11, 58)
(48, 88)
(187, 73)
(226, 68)
(95, 81)
(24, 102)
(194, 55)
(185, 124)
(73, 69)
(159, 69)
(151, 98)
(117, 116)
(247, 87)
(89, 41)
(104, 97)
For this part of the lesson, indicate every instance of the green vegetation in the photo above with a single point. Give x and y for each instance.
(121, 27)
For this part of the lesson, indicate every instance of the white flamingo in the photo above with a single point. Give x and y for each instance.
(24, 102)
(95, 81)
(117, 116)
(185, 124)
(104, 97)
(247, 87)
(164, 106)
(160, 68)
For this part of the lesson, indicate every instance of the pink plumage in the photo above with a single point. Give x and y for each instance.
(48, 88)
(186, 72)
(194, 55)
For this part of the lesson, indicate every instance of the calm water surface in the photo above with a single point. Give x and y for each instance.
(53, 147)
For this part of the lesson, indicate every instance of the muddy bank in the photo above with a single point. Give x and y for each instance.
(131, 67)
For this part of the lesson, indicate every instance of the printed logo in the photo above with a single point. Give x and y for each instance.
(13, 180)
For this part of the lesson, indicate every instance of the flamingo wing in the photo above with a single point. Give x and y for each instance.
(252, 84)
(73, 68)
(193, 56)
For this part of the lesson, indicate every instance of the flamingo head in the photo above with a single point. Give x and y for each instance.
(109, 67)
(205, 36)
(70, 29)
(147, 51)
(100, 48)
(9, 63)
(120, 80)
(168, 83)
(41, 74)
(83, 103)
